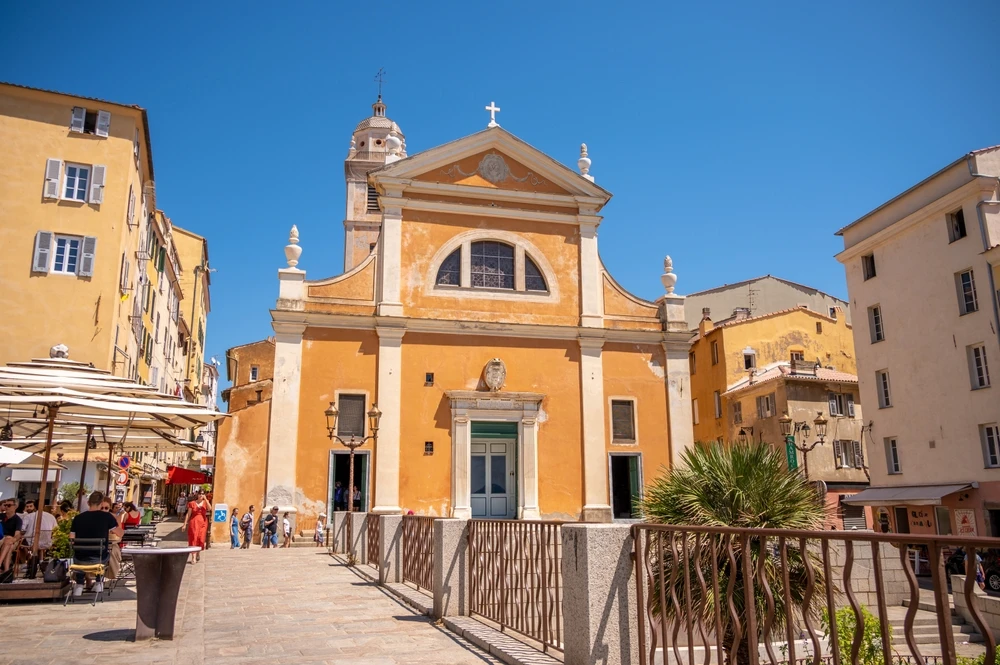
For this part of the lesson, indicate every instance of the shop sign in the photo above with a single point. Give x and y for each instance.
(965, 520)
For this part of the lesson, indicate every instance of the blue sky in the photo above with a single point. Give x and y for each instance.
(735, 137)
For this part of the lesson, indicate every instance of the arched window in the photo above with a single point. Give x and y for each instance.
(450, 272)
(492, 265)
(533, 280)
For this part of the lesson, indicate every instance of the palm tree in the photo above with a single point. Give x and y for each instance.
(747, 486)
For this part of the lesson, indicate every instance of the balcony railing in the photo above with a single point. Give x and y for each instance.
(418, 551)
(752, 595)
(515, 577)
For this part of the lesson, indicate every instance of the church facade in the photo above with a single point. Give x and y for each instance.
(515, 377)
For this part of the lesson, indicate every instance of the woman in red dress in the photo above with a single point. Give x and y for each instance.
(196, 523)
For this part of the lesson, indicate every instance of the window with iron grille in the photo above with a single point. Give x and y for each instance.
(450, 272)
(351, 420)
(622, 421)
(492, 265)
(372, 199)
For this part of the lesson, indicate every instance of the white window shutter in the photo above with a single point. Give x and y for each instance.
(97, 183)
(135, 145)
(837, 454)
(87, 256)
(43, 250)
(103, 123)
(833, 404)
(53, 168)
(79, 117)
(131, 207)
(123, 285)
(859, 455)
(850, 405)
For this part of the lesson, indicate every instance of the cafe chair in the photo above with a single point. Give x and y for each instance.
(91, 548)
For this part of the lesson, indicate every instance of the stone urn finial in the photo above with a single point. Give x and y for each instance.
(668, 277)
(584, 163)
(292, 249)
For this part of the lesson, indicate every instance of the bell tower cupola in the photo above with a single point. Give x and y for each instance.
(376, 141)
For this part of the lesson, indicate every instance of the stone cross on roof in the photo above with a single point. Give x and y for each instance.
(493, 109)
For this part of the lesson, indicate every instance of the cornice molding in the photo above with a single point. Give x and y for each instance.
(489, 211)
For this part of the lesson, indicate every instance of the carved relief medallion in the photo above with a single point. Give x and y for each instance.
(495, 374)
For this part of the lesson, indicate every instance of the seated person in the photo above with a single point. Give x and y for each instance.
(28, 525)
(11, 530)
(96, 522)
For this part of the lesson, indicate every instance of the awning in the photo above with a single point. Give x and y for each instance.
(178, 475)
(914, 495)
(30, 475)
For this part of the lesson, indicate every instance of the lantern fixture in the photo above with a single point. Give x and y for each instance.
(785, 421)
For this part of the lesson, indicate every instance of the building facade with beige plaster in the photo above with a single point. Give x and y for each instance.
(922, 274)
(88, 259)
(515, 377)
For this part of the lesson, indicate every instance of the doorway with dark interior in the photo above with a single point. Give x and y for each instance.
(340, 472)
(626, 485)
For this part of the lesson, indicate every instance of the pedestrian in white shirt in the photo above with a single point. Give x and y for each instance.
(286, 528)
(28, 525)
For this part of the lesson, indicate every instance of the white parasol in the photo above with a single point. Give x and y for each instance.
(73, 403)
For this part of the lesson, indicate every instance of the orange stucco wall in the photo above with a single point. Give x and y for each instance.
(357, 285)
(424, 233)
(241, 465)
(332, 360)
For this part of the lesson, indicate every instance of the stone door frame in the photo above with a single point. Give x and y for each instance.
(521, 408)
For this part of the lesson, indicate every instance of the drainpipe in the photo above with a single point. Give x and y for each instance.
(982, 231)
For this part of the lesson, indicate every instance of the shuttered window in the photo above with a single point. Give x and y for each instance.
(372, 199)
(43, 250)
(351, 421)
(53, 170)
(854, 517)
(622, 421)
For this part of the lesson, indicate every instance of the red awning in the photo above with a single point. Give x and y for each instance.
(177, 475)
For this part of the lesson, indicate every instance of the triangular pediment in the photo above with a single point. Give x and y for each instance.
(493, 159)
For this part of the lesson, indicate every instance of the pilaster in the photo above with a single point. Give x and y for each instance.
(391, 241)
(461, 458)
(528, 478)
(390, 360)
(592, 307)
(679, 417)
(284, 430)
(596, 507)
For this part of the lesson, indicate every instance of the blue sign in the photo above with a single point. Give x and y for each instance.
(220, 514)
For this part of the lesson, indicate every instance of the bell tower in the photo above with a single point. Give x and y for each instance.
(376, 141)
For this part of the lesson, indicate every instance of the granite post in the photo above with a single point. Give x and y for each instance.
(451, 571)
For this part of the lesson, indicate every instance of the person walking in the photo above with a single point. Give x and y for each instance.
(247, 525)
(269, 529)
(196, 523)
(286, 529)
(182, 503)
(234, 526)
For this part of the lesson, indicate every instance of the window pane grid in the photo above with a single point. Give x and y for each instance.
(991, 436)
(622, 420)
(450, 273)
(982, 371)
(969, 303)
(492, 265)
(76, 183)
(533, 280)
(67, 254)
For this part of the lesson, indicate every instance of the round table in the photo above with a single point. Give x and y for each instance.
(158, 574)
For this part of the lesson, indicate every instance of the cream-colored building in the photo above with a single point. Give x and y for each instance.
(760, 296)
(922, 273)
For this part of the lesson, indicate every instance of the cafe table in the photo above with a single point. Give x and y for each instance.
(158, 574)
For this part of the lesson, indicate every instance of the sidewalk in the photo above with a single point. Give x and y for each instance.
(246, 606)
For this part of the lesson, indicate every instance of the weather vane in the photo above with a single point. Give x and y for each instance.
(380, 79)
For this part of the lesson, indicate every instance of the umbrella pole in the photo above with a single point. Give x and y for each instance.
(53, 411)
(83, 472)
(111, 453)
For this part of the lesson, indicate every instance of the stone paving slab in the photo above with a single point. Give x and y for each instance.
(294, 605)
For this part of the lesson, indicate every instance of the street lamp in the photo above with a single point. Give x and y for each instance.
(745, 433)
(354, 442)
(802, 427)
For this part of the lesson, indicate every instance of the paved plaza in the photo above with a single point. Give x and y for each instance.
(251, 606)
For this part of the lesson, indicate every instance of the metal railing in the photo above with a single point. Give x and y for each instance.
(373, 524)
(418, 551)
(693, 596)
(515, 577)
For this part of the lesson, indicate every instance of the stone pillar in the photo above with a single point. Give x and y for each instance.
(596, 507)
(591, 289)
(338, 535)
(390, 568)
(390, 359)
(461, 459)
(599, 607)
(284, 429)
(528, 478)
(359, 532)
(451, 568)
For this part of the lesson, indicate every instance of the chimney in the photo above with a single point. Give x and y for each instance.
(705, 325)
(706, 313)
(741, 313)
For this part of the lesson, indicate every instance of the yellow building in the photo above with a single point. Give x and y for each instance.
(515, 377)
(192, 250)
(74, 181)
(725, 353)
